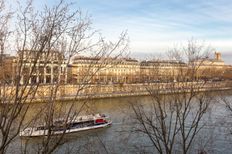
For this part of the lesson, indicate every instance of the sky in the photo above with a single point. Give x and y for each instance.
(155, 26)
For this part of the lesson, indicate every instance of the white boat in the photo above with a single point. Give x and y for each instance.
(76, 124)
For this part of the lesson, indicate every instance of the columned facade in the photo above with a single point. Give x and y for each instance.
(45, 69)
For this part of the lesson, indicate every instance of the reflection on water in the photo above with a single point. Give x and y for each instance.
(119, 138)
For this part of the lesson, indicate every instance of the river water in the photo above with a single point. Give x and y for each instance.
(215, 137)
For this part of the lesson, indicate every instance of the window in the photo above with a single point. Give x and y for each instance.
(41, 79)
(33, 79)
(41, 70)
(48, 79)
(48, 69)
(56, 70)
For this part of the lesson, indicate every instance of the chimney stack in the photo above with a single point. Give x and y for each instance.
(218, 56)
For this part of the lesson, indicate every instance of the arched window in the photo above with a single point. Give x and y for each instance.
(48, 69)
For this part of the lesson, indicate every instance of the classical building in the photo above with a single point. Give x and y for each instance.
(160, 70)
(228, 72)
(127, 70)
(217, 62)
(44, 68)
(6, 68)
(210, 68)
(104, 70)
(51, 67)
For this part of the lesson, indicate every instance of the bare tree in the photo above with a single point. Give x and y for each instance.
(175, 116)
(51, 37)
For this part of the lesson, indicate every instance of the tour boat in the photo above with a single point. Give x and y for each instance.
(76, 124)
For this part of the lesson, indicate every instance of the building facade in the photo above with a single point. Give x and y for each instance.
(44, 67)
(161, 70)
(104, 70)
(126, 70)
(51, 68)
(6, 68)
(210, 68)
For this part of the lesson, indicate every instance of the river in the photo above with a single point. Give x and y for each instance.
(215, 137)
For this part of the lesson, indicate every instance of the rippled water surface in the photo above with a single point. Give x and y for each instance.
(215, 137)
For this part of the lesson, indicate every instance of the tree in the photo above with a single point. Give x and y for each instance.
(177, 112)
(51, 37)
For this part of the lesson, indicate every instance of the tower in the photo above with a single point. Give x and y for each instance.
(218, 56)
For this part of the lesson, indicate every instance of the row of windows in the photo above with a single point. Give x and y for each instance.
(42, 70)
(41, 79)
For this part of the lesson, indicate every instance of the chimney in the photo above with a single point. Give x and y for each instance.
(218, 56)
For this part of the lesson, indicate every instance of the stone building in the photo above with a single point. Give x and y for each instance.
(103, 70)
(161, 70)
(228, 72)
(51, 67)
(6, 68)
(44, 68)
(126, 70)
(208, 68)
(217, 62)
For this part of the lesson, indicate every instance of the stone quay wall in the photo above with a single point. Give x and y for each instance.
(73, 92)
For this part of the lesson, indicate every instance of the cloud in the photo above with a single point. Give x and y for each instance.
(155, 25)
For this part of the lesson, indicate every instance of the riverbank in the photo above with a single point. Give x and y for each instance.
(129, 90)
(76, 92)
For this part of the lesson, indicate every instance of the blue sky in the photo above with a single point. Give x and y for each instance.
(154, 26)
